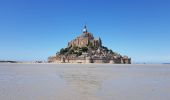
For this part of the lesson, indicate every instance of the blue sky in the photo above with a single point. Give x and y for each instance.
(36, 29)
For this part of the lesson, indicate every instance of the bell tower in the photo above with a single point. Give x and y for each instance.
(85, 29)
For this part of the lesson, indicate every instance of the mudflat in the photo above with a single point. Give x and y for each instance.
(84, 82)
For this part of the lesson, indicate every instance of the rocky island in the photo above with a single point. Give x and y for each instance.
(86, 49)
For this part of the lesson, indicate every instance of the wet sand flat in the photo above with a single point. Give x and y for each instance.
(84, 82)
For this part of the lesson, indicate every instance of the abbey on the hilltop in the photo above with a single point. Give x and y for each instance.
(86, 49)
(85, 39)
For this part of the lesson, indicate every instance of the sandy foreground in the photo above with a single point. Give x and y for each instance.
(84, 82)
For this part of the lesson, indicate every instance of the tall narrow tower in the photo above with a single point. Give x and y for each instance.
(85, 29)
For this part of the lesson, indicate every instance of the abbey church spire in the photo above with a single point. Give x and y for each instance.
(85, 29)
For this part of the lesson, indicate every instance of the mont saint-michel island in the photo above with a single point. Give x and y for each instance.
(87, 49)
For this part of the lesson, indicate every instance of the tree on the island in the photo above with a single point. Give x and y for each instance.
(84, 49)
(105, 48)
(71, 51)
(111, 52)
(79, 53)
(64, 50)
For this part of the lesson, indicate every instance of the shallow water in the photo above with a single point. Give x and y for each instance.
(84, 82)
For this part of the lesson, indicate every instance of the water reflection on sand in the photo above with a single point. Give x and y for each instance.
(84, 82)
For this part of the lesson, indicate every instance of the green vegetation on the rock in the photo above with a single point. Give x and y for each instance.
(84, 49)
(63, 50)
(73, 50)
(79, 50)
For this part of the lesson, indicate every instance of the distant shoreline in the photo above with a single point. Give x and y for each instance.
(8, 61)
(41, 62)
(15, 62)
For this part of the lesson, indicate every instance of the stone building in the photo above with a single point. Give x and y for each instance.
(86, 49)
(85, 39)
